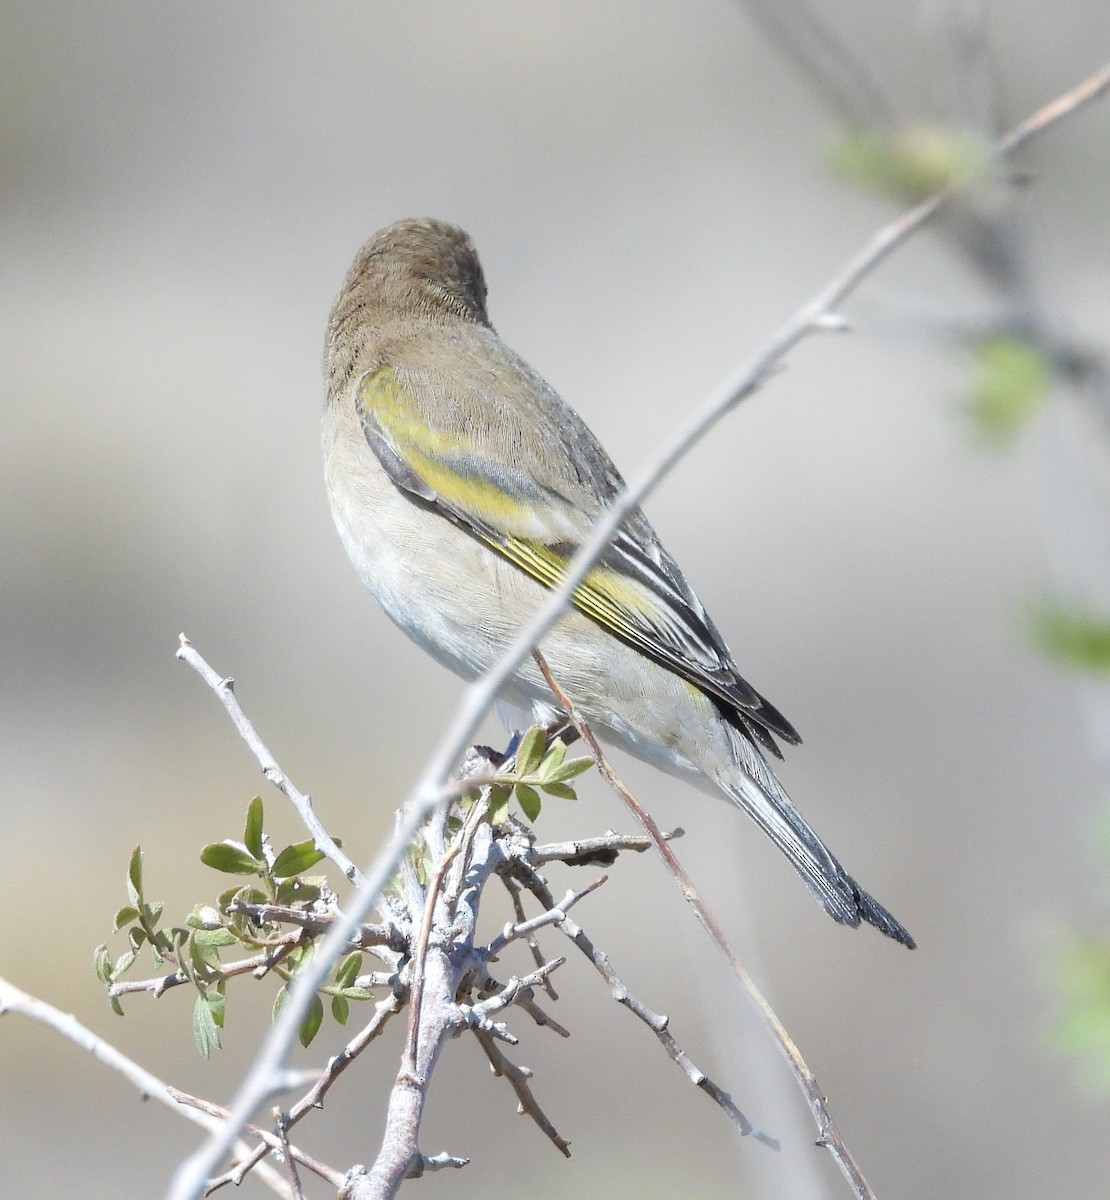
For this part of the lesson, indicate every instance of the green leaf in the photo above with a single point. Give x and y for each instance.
(279, 1002)
(124, 916)
(530, 751)
(214, 938)
(205, 1033)
(217, 1004)
(252, 831)
(562, 790)
(1076, 638)
(123, 963)
(529, 800)
(310, 1026)
(204, 916)
(135, 877)
(498, 799)
(553, 759)
(297, 891)
(151, 913)
(295, 859)
(358, 993)
(136, 936)
(244, 894)
(348, 969)
(340, 1009)
(571, 769)
(115, 1005)
(1011, 381)
(230, 858)
(103, 963)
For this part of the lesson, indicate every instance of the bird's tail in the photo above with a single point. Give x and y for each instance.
(755, 789)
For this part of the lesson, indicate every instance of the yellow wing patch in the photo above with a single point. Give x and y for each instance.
(433, 455)
(611, 600)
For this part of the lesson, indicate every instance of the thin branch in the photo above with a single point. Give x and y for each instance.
(261, 963)
(602, 849)
(553, 916)
(225, 691)
(654, 1021)
(427, 795)
(270, 1141)
(14, 1000)
(829, 1135)
(517, 1078)
(383, 1010)
(837, 74)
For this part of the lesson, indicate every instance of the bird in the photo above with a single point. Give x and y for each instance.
(461, 485)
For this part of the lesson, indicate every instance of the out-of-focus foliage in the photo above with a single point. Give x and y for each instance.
(911, 163)
(1075, 638)
(1008, 389)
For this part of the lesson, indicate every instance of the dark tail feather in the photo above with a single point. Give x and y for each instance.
(756, 790)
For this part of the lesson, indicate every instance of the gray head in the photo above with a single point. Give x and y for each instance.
(411, 270)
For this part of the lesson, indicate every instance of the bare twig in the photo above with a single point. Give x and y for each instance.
(655, 1022)
(260, 963)
(517, 1078)
(271, 1141)
(595, 850)
(225, 691)
(828, 1134)
(553, 916)
(838, 75)
(15, 1000)
(427, 795)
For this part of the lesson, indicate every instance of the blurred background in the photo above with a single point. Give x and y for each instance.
(651, 192)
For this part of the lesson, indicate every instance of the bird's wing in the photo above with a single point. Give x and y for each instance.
(635, 591)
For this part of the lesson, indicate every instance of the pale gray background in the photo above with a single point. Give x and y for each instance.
(184, 188)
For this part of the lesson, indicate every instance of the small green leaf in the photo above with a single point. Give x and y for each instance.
(205, 1033)
(279, 1003)
(295, 859)
(529, 800)
(231, 858)
(136, 936)
(124, 916)
(214, 938)
(123, 963)
(151, 913)
(296, 891)
(204, 916)
(114, 1004)
(530, 750)
(348, 969)
(358, 993)
(553, 759)
(498, 799)
(571, 769)
(217, 1004)
(135, 877)
(340, 1009)
(103, 963)
(252, 832)
(310, 1026)
(562, 790)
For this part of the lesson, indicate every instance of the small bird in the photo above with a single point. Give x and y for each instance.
(461, 486)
